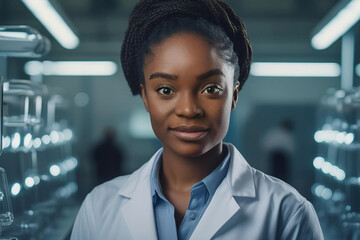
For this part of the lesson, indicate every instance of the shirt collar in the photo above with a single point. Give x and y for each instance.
(154, 178)
(211, 181)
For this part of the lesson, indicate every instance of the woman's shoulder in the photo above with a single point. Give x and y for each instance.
(296, 215)
(110, 187)
(280, 197)
(263, 186)
(276, 188)
(104, 194)
(122, 185)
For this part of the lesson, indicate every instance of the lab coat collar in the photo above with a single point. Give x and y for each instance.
(138, 211)
(240, 175)
(239, 182)
(129, 188)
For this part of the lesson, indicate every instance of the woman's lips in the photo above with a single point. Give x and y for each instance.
(189, 133)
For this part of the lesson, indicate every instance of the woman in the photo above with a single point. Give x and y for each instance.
(189, 59)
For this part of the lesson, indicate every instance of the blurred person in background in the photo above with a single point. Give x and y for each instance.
(108, 157)
(279, 146)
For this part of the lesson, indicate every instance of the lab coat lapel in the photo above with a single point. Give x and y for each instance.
(239, 182)
(138, 211)
(221, 208)
(139, 214)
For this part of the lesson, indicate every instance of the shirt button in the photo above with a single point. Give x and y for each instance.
(192, 216)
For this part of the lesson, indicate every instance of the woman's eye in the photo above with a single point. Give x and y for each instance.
(165, 91)
(212, 89)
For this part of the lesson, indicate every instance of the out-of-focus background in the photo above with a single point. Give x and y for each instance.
(70, 121)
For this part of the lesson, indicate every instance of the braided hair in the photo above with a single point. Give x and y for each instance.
(151, 15)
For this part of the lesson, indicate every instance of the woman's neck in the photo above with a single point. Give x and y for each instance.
(181, 173)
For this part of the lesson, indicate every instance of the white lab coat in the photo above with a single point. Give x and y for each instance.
(248, 204)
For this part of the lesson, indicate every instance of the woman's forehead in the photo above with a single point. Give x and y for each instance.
(187, 56)
(181, 50)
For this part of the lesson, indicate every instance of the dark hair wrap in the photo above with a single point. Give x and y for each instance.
(148, 13)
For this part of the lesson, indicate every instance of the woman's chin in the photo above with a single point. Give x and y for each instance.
(189, 149)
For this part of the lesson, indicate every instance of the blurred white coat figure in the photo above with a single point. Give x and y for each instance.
(279, 146)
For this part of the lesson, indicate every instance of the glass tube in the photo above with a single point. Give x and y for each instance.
(22, 103)
(6, 212)
(22, 41)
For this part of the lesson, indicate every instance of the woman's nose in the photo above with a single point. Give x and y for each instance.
(188, 106)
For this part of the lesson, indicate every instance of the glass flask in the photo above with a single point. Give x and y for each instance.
(22, 103)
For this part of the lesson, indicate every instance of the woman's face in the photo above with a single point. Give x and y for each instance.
(189, 93)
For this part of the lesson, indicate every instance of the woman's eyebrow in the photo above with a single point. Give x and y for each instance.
(210, 73)
(163, 75)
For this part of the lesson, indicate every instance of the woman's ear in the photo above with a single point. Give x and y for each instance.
(235, 96)
(144, 97)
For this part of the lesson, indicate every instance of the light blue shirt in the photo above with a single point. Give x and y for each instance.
(201, 195)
